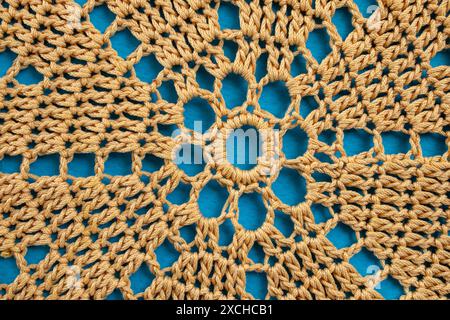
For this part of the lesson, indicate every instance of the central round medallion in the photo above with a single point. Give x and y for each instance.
(246, 150)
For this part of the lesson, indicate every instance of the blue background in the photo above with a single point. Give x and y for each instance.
(234, 92)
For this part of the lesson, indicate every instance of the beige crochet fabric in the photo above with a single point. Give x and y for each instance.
(101, 229)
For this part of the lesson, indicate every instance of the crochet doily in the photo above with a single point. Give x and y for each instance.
(92, 106)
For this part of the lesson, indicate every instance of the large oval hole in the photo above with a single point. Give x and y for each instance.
(252, 212)
(212, 198)
(190, 159)
(198, 115)
(234, 90)
(290, 187)
(275, 98)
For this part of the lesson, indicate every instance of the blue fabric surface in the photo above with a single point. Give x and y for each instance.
(251, 205)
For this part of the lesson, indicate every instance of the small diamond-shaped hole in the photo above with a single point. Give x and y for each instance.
(295, 142)
(275, 98)
(166, 254)
(188, 232)
(152, 163)
(357, 141)
(9, 270)
(342, 236)
(307, 105)
(320, 177)
(256, 253)
(124, 43)
(148, 68)
(82, 165)
(365, 262)
(189, 158)
(234, 90)
(298, 65)
(204, 79)
(141, 279)
(442, 58)
(283, 222)
(168, 92)
(395, 142)
(115, 295)
(366, 7)
(226, 233)
(390, 288)
(198, 115)
(230, 49)
(6, 60)
(228, 16)
(118, 164)
(180, 194)
(168, 130)
(29, 76)
(327, 136)
(256, 284)
(319, 44)
(288, 180)
(342, 19)
(432, 144)
(46, 165)
(10, 164)
(101, 17)
(320, 212)
(36, 254)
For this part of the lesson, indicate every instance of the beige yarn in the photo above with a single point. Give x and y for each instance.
(401, 213)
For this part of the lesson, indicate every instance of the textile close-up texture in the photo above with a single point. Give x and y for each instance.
(121, 174)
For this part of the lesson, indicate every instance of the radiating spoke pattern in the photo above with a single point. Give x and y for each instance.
(99, 100)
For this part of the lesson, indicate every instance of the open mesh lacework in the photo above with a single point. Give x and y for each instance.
(109, 227)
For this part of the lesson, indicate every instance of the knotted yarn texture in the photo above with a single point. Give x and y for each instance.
(101, 229)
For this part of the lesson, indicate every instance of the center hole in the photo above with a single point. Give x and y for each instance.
(243, 147)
